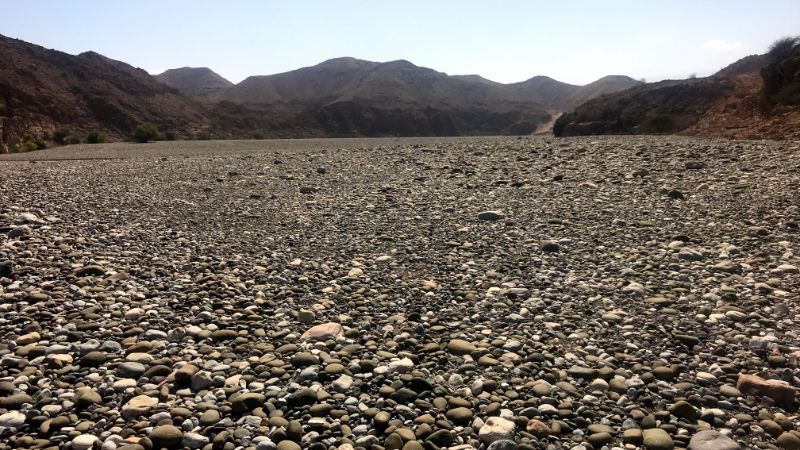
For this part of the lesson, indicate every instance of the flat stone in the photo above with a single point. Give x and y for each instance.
(130, 369)
(15, 401)
(323, 332)
(247, 401)
(460, 415)
(90, 271)
(138, 406)
(788, 441)
(86, 397)
(657, 439)
(491, 215)
(165, 436)
(13, 419)
(460, 347)
(778, 390)
(495, 429)
(83, 442)
(712, 440)
(194, 440)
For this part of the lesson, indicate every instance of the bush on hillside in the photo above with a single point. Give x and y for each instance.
(72, 140)
(783, 47)
(169, 135)
(60, 136)
(95, 137)
(146, 132)
(27, 146)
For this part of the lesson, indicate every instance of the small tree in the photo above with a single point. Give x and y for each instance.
(146, 132)
(783, 47)
(95, 137)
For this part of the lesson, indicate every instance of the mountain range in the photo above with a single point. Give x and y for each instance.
(46, 95)
(45, 91)
(345, 79)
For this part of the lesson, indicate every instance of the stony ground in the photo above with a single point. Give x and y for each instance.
(419, 294)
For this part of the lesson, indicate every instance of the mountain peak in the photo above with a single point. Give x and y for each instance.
(197, 81)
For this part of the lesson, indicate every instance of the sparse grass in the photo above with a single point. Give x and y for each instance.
(25, 147)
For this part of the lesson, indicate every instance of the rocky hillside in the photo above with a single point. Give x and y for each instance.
(345, 79)
(200, 82)
(348, 96)
(563, 96)
(44, 93)
(755, 97)
(43, 90)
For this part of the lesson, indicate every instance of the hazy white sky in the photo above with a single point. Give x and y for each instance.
(507, 41)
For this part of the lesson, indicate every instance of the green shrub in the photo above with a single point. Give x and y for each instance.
(60, 136)
(783, 47)
(95, 137)
(258, 135)
(72, 140)
(170, 135)
(146, 132)
(28, 146)
(660, 123)
(204, 136)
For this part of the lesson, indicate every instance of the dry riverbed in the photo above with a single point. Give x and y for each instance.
(503, 293)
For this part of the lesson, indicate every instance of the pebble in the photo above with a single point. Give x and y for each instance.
(165, 436)
(496, 429)
(491, 216)
(712, 440)
(83, 442)
(657, 439)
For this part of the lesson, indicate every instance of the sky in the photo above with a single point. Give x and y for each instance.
(574, 41)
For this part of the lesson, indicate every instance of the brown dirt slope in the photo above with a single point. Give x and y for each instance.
(43, 90)
(755, 97)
